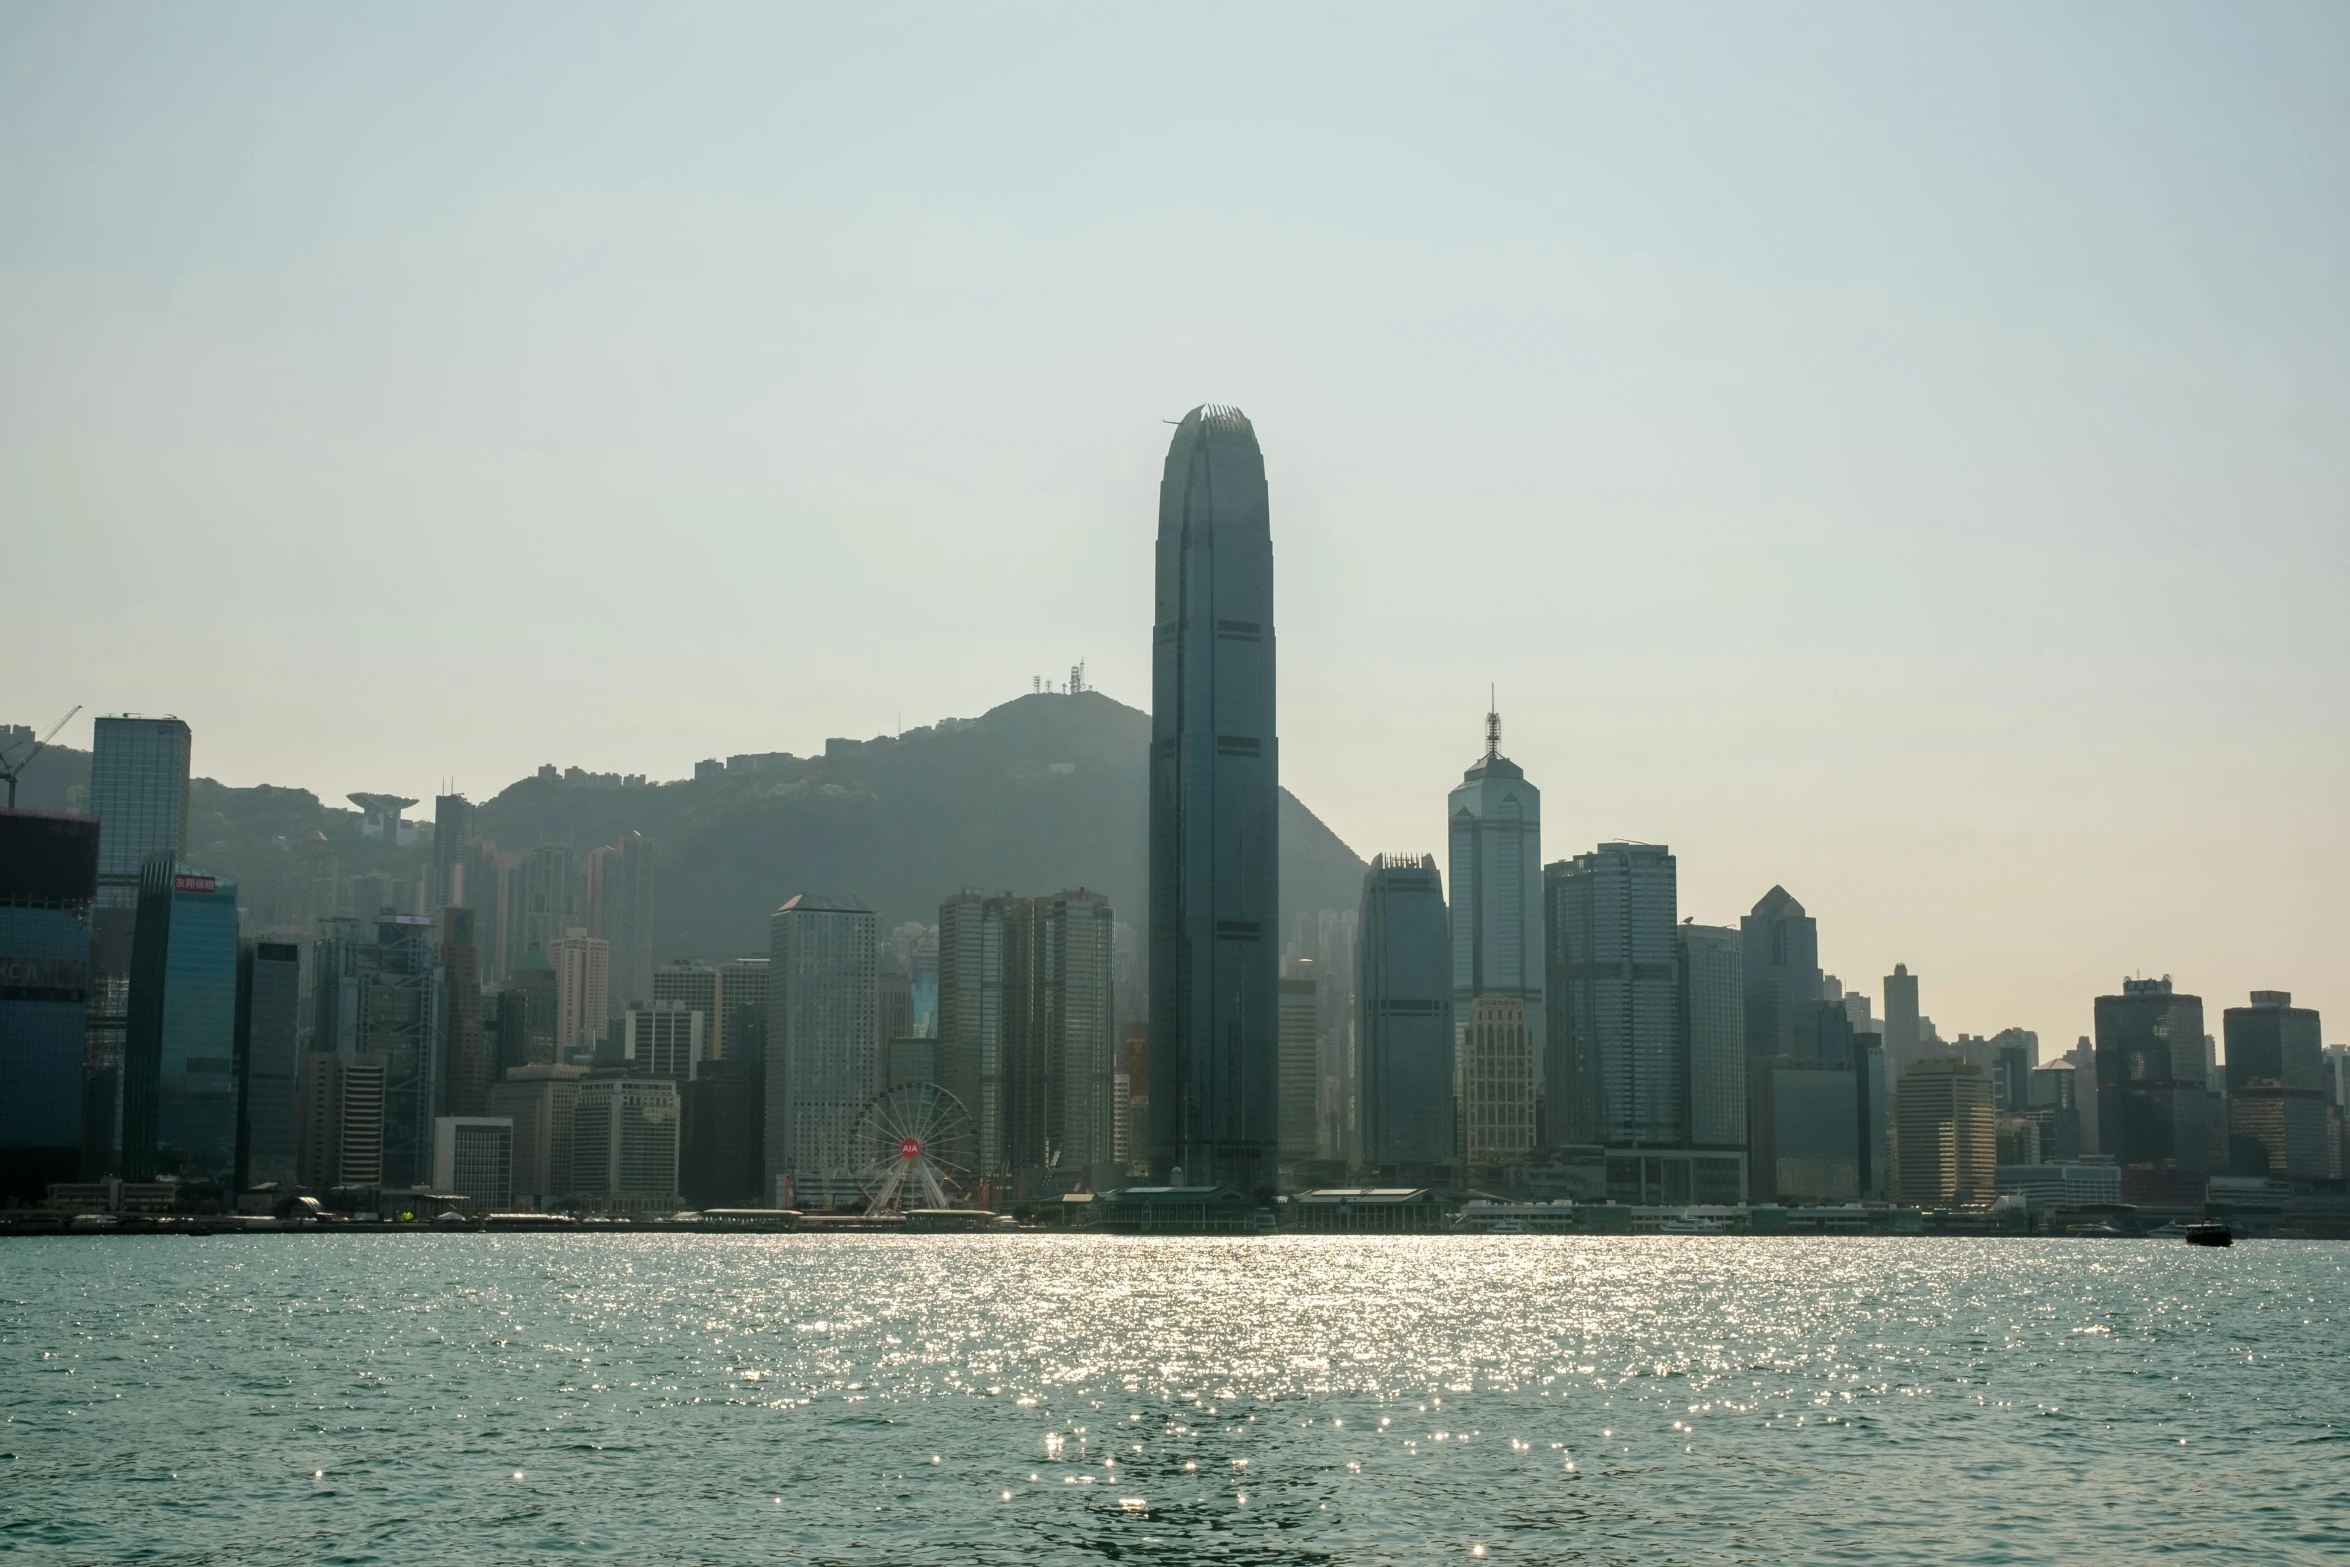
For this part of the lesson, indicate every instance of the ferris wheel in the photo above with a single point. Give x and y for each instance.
(914, 1147)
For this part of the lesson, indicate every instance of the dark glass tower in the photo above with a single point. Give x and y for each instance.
(1215, 845)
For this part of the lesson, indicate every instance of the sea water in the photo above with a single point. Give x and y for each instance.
(1055, 1398)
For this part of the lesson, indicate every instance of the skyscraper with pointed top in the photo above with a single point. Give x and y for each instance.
(1215, 853)
(1495, 830)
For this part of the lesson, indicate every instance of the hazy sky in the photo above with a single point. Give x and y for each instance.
(1899, 452)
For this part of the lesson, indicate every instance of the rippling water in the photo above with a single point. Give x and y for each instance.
(1074, 1399)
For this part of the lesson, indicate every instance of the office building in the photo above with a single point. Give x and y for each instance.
(1711, 960)
(1494, 820)
(663, 1039)
(624, 1135)
(269, 1026)
(2276, 1090)
(2013, 1055)
(583, 990)
(483, 879)
(1615, 998)
(48, 881)
(377, 991)
(2062, 1183)
(1496, 1083)
(339, 1132)
(1215, 862)
(976, 941)
(452, 836)
(1804, 1119)
(719, 1163)
(622, 914)
(465, 1079)
(1301, 1069)
(1947, 1133)
(1783, 982)
(1904, 1041)
(1404, 1008)
(526, 1015)
(540, 1100)
(545, 902)
(1062, 1038)
(694, 985)
(2152, 1116)
(893, 997)
(139, 793)
(1327, 939)
(742, 1009)
(473, 1159)
(179, 1083)
(823, 1062)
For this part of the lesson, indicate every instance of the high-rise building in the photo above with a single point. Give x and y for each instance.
(1783, 981)
(473, 1158)
(545, 902)
(823, 1062)
(452, 836)
(1328, 939)
(48, 880)
(2151, 1108)
(1903, 1041)
(623, 916)
(1494, 818)
(1062, 1036)
(1947, 1132)
(1804, 1121)
(540, 1100)
(527, 1015)
(1712, 978)
(742, 1010)
(465, 1079)
(1301, 1068)
(179, 1084)
(339, 1130)
(694, 984)
(2014, 1054)
(376, 986)
(1496, 1082)
(139, 793)
(624, 1133)
(583, 989)
(1215, 849)
(976, 942)
(663, 1039)
(1615, 998)
(2276, 1089)
(483, 879)
(269, 1026)
(1404, 1007)
(893, 997)
(718, 1163)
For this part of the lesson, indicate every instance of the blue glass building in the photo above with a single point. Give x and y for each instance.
(1215, 892)
(48, 875)
(1404, 999)
(179, 1057)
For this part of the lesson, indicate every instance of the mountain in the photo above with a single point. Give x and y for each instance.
(1045, 792)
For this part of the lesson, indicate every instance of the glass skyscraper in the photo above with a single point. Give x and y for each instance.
(179, 1067)
(823, 1060)
(1215, 891)
(2151, 1091)
(1783, 980)
(48, 875)
(1494, 819)
(139, 793)
(1615, 990)
(269, 1010)
(1404, 1003)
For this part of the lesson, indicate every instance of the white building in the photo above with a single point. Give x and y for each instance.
(2062, 1185)
(823, 1051)
(664, 1039)
(473, 1156)
(583, 988)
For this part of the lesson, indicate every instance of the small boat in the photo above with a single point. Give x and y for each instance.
(2175, 1230)
(2090, 1229)
(1691, 1226)
(2210, 1235)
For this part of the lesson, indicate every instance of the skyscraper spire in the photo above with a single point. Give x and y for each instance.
(1492, 725)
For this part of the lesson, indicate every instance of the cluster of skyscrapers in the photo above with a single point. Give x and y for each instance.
(501, 1028)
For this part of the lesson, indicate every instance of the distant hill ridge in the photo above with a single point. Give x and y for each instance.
(1045, 792)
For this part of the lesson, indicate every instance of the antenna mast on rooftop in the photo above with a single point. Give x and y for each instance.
(1492, 725)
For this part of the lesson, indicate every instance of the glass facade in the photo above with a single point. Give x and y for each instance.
(1494, 822)
(1215, 893)
(1615, 997)
(1404, 992)
(269, 1009)
(824, 1061)
(2276, 1073)
(1713, 1034)
(180, 1082)
(139, 793)
(2151, 1092)
(1783, 981)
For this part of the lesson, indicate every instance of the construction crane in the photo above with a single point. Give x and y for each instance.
(9, 769)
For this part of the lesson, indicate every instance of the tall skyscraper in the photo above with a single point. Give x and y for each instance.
(1783, 980)
(1063, 1036)
(545, 902)
(742, 1010)
(1712, 962)
(2276, 1089)
(623, 916)
(1301, 1067)
(823, 1064)
(695, 984)
(540, 1100)
(1404, 1010)
(624, 1142)
(1947, 1132)
(1903, 1041)
(976, 940)
(1215, 885)
(465, 1079)
(269, 1024)
(2151, 1114)
(1615, 991)
(1494, 819)
(179, 1080)
(583, 989)
(139, 793)
(48, 879)
(1495, 1053)
(452, 833)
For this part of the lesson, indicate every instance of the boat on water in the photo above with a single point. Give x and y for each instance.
(1693, 1226)
(2210, 1235)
